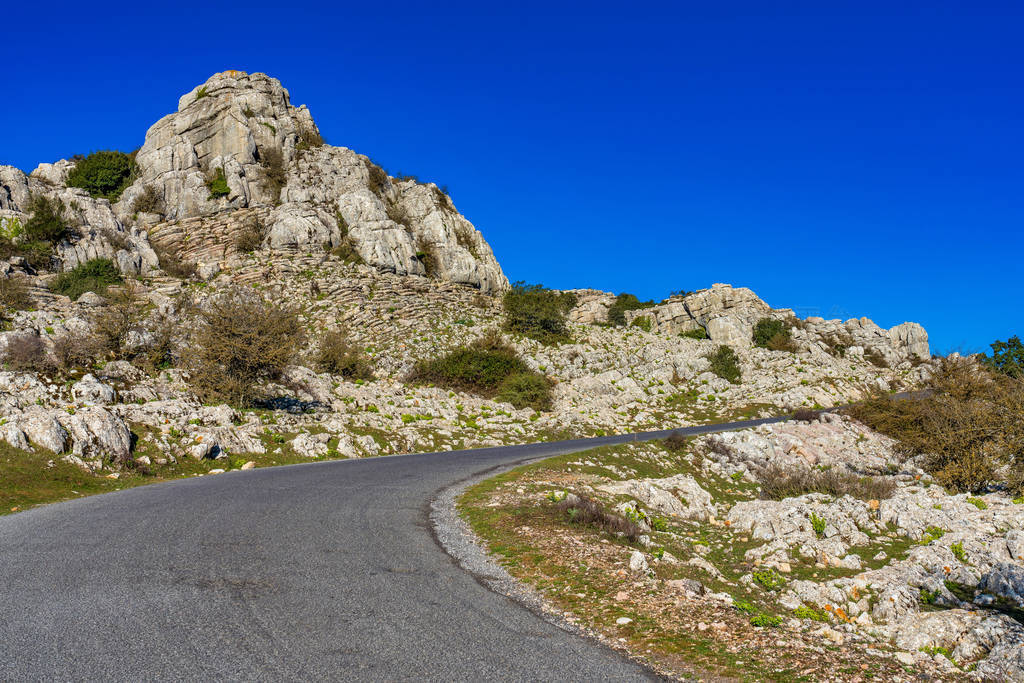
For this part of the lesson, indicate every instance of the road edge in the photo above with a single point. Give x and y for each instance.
(457, 539)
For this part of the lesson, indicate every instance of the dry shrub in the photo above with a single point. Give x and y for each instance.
(14, 294)
(676, 442)
(116, 322)
(778, 483)
(338, 356)
(250, 236)
(74, 352)
(148, 201)
(781, 342)
(968, 426)
(309, 138)
(172, 264)
(275, 175)
(806, 415)
(717, 445)
(241, 340)
(27, 352)
(587, 512)
(875, 357)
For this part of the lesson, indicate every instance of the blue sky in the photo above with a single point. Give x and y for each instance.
(842, 159)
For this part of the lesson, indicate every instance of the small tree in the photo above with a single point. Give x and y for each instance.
(241, 341)
(538, 312)
(1007, 357)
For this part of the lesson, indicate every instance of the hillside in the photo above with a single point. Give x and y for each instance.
(243, 294)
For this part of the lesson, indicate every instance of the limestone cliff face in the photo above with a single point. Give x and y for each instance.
(308, 196)
(240, 124)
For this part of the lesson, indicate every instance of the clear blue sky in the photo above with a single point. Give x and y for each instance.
(844, 159)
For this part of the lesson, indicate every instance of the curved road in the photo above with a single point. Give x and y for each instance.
(325, 570)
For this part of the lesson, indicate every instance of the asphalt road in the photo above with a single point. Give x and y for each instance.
(325, 570)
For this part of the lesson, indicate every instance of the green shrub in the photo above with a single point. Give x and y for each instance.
(765, 329)
(958, 551)
(217, 184)
(241, 340)
(489, 367)
(744, 606)
(643, 322)
(92, 276)
(699, 333)
(338, 356)
(977, 502)
(726, 364)
(818, 524)
(538, 313)
(526, 389)
(625, 302)
(804, 612)
(45, 224)
(103, 174)
(765, 621)
(769, 579)
(772, 334)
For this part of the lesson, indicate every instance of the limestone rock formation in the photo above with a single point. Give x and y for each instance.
(237, 143)
(728, 314)
(100, 233)
(270, 154)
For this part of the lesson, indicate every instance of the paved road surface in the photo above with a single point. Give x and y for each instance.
(324, 570)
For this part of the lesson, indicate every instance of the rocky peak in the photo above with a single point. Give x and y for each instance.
(243, 128)
(237, 147)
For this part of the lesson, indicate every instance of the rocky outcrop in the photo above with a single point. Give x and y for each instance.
(316, 196)
(97, 231)
(729, 314)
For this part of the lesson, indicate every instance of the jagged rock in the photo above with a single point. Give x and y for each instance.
(43, 429)
(310, 445)
(728, 314)
(96, 433)
(637, 562)
(1005, 580)
(89, 390)
(680, 495)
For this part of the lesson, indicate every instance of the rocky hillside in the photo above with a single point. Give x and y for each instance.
(236, 143)
(237, 189)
